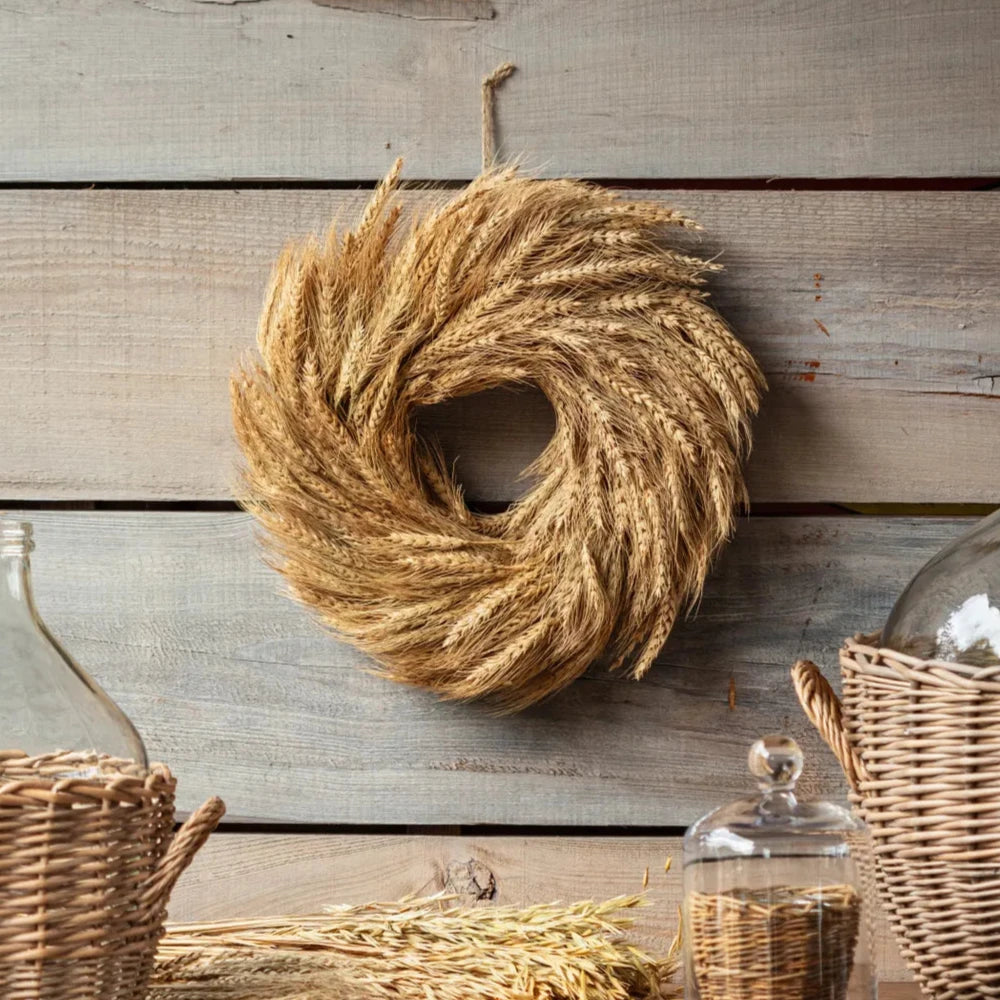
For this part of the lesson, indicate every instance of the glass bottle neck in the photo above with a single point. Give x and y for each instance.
(15, 569)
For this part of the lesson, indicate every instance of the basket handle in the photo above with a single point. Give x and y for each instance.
(186, 843)
(826, 713)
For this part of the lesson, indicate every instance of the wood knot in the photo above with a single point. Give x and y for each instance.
(471, 879)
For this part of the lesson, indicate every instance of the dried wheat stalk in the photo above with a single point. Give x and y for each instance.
(418, 949)
(556, 283)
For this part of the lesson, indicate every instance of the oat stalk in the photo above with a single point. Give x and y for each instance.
(417, 949)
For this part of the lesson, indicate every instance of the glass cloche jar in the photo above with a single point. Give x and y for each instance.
(775, 903)
(951, 609)
(47, 701)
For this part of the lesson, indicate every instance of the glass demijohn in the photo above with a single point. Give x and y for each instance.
(47, 702)
(951, 609)
(773, 899)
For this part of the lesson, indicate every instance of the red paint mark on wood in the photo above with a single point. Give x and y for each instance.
(806, 377)
(812, 364)
(818, 298)
(817, 276)
(732, 694)
(820, 325)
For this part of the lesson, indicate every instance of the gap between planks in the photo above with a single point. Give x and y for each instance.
(755, 510)
(615, 183)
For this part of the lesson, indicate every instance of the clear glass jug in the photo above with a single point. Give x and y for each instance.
(47, 701)
(951, 609)
(777, 894)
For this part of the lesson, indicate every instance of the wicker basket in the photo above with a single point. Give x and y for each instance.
(790, 943)
(919, 742)
(86, 867)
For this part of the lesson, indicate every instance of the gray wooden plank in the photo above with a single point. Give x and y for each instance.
(253, 875)
(873, 314)
(188, 90)
(244, 696)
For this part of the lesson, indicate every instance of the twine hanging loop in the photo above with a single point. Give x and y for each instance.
(490, 84)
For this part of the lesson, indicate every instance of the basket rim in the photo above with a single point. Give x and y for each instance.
(102, 778)
(865, 655)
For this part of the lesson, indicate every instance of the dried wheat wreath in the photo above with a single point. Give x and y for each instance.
(556, 283)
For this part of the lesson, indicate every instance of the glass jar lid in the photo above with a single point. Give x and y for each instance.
(774, 822)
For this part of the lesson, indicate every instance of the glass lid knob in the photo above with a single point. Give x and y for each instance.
(776, 762)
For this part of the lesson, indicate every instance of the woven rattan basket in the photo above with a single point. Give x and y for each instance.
(792, 943)
(87, 863)
(919, 741)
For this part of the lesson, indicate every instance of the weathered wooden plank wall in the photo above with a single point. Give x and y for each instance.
(185, 90)
(124, 312)
(245, 696)
(123, 309)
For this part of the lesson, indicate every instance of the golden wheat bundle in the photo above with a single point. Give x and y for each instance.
(555, 283)
(417, 949)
